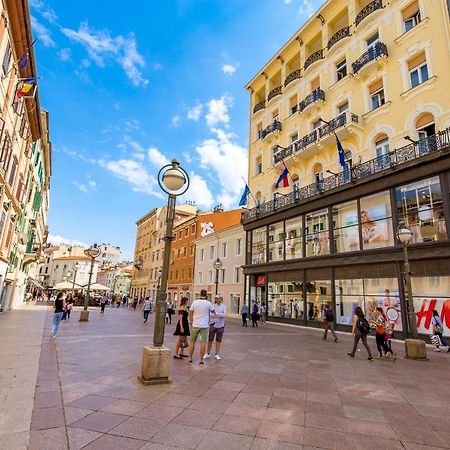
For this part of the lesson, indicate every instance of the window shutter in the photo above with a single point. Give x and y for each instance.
(37, 201)
(293, 101)
(315, 84)
(425, 119)
(410, 10)
(376, 86)
(416, 61)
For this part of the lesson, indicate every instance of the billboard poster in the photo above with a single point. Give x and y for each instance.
(424, 307)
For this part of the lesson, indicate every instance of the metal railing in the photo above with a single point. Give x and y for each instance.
(273, 93)
(411, 152)
(292, 76)
(341, 34)
(367, 10)
(274, 126)
(379, 49)
(336, 123)
(259, 106)
(283, 153)
(313, 58)
(315, 96)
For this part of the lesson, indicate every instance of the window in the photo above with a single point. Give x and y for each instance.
(372, 42)
(224, 249)
(276, 242)
(316, 300)
(317, 242)
(6, 58)
(6, 152)
(343, 107)
(186, 232)
(191, 253)
(237, 274)
(376, 92)
(211, 252)
(258, 166)
(200, 278)
(294, 238)
(376, 221)
(238, 246)
(259, 128)
(180, 234)
(176, 275)
(411, 16)
(210, 276)
(315, 84)
(202, 254)
(317, 124)
(259, 245)
(383, 158)
(222, 276)
(275, 115)
(193, 228)
(418, 70)
(341, 69)
(284, 299)
(2, 223)
(293, 104)
(345, 227)
(12, 173)
(419, 206)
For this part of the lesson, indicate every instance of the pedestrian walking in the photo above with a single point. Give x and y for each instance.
(255, 314)
(146, 308)
(438, 330)
(182, 330)
(170, 311)
(216, 327)
(69, 307)
(135, 302)
(328, 323)
(381, 322)
(103, 302)
(244, 314)
(263, 313)
(360, 329)
(58, 311)
(199, 320)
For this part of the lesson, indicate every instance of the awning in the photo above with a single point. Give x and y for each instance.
(36, 283)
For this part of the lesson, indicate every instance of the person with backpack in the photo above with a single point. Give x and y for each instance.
(360, 329)
(381, 323)
(255, 314)
(328, 323)
(438, 330)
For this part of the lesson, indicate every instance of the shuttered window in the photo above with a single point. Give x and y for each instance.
(315, 84)
(416, 61)
(374, 87)
(410, 10)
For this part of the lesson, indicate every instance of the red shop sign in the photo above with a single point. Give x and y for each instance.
(261, 280)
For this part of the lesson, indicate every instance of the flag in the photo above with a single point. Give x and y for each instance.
(243, 200)
(340, 152)
(26, 87)
(283, 180)
(23, 60)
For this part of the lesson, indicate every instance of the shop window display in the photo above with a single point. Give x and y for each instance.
(285, 300)
(317, 241)
(345, 227)
(276, 242)
(259, 245)
(318, 296)
(294, 238)
(349, 294)
(376, 221)
(419, 206)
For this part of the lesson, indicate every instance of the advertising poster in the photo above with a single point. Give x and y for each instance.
(424, 311)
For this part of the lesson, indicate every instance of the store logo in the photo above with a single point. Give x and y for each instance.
(426, 313)
(207, 228)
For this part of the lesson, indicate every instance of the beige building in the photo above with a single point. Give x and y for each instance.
(229, 246)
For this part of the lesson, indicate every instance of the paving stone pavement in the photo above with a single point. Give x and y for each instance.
(277, 387)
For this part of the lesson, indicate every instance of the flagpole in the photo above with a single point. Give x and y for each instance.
(251, 193)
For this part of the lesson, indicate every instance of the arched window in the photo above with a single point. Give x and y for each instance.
(175, 297)
(382, 152)
(188, 295)
(426, 131)
(169, 296)
(296, 179)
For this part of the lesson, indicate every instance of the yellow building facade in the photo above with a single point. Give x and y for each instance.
(372, 76)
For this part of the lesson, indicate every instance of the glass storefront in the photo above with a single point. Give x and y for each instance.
(294, 238)
(276, 242)
(285, 299)
(316, 233)
(317, 297)
(345, 227)
(259, 245)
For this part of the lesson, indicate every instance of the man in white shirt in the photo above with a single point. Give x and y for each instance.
(199, 321)
(217, 327)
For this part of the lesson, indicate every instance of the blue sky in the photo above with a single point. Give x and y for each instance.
(132, 85)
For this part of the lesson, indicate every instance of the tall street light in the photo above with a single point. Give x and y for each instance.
(93, 252)
(415, 348)
(217, 265)
(174, 181)
(76, 268)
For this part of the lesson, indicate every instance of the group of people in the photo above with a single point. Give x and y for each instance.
(257, 314)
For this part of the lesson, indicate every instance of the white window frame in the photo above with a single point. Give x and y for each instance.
(416, 19)
(222, 275)
(419, 72)
(238, 246)
(340, 106)
(202, 254)
(237, 274)
(380, 96)
(224, 248)
(212, 252)
(340, 66)
(382, 147)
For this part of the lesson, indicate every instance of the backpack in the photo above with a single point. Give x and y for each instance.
(255, 309)
(362, 325)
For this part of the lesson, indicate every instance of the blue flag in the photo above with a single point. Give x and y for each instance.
(340, 152)
(243, 200)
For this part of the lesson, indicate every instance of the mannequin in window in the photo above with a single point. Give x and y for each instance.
(368, 228)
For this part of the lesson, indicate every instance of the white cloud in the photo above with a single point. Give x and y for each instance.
(103, 48)
(92, 184)
(198, 192)
(81, 187)
(64, 54)
(227, 161)
(176, 121)
(50, 15)
(59, 240)
(229, 69)
(218, 111)
(132, 125)
(37, 4)
(195, 112)
(307, 9)
(157, 158)
(42, 33)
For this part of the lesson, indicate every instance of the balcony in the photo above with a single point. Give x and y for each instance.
(316, 56)
(367, 10)
(314, 97)
(273, 93)
(259, 106)
(292, 76)
(372, 54)
(275, 126)
(409, 154)
(283, 154)
(341, 34)
(338, 122)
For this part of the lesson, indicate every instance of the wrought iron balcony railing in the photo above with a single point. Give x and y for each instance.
(283, 153)
(274, 126)
(315, 96)
(337, 122)
(341, 34)
(378, 50)
(414, 152)
(313, 58)
(292, 76)
(259, 106)
(273, 93)
(367, 10)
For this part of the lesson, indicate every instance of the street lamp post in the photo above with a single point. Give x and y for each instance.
(174, 181)
(217, 265)
(415, 348)
(76, 268)
(93, 252)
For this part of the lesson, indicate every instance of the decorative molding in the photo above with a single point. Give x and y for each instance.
(299, 40)
(280, 58)
(321, 18)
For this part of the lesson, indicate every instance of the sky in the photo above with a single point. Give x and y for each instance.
(131, 85)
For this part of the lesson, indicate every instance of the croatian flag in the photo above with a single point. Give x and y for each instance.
(283, 180)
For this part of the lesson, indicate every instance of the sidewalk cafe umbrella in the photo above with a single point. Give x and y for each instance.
(98, 287)
(64, 285)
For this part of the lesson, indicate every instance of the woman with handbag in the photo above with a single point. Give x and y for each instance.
(438, 330)
(182, 330)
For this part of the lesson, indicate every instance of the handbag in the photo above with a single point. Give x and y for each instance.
(439, 329)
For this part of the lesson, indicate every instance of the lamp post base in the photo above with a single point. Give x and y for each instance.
(84, 315)
(416, 349)
(155, 366)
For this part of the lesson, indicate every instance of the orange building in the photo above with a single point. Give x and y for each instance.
(181, 269)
